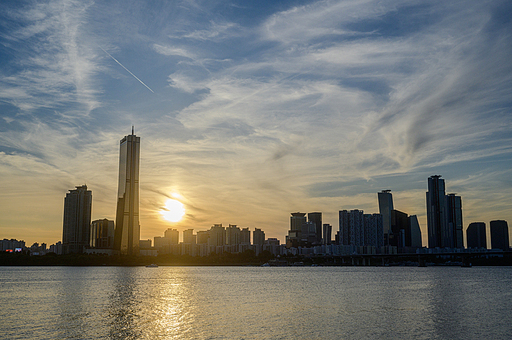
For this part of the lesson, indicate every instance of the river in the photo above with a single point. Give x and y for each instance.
(256, 303)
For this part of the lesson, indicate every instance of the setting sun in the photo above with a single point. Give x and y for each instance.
(173, 211)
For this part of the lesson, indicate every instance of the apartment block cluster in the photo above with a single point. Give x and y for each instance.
(216, 240)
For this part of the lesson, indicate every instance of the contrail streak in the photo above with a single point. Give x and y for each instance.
(127, 70)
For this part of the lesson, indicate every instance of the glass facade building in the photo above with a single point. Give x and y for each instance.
(127, 233)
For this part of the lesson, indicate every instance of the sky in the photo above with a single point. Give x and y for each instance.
(250, 110)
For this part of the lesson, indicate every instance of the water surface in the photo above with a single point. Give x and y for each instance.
(256, 303)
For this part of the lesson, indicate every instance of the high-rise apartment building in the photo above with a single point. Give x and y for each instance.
(127, 233)
(189, 237)
(258, 237)
(359, 229)
(499, 235)
(385, 208)
(351, 230)
(232, 235)
(217, 235)
(454, 216)
(476, 236)
(438, 235)
(173, 235)
(77, 220)
(245, 236)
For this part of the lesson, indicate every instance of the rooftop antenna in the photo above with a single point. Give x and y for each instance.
(132, 129)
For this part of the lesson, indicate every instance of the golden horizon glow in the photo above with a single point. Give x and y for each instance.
(173, 211)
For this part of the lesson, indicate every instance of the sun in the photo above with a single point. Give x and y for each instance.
(173, 211)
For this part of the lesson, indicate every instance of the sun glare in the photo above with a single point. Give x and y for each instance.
(173, 210)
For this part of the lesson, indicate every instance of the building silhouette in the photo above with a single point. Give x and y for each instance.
(77, 220)
(294, 236)
(357, 229)
(476, 235)
(102, 234)
(385, 208)
(127, 232)
(438, 235)
(245, 236)
(499, 235)
(415, 232)
(327, 234)
(454, 216)
(316, 219)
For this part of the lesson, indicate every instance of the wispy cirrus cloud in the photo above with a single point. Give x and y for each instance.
(55, 64)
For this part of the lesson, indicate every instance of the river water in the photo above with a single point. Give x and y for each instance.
(256, 303)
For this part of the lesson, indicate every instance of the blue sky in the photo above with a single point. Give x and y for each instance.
(250, 110)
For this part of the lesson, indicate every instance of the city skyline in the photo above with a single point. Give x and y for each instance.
(250, 111)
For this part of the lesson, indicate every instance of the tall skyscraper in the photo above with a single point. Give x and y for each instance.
(476, 235)
(316, 218)
(438, 235)
(385, 209)
(77, 220)
(127, 233)
(499, 235)
(454, 215)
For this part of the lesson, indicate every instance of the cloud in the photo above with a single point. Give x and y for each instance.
(216, 31)
(56, 64)
(173, 51)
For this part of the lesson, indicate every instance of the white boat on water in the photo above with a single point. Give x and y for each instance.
(152, 265)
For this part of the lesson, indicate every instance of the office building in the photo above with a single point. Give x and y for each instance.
(476, 235)
(438, 235)
(454, 216)
(399, 229)
(327, 234)
(102, 234)
(316, 219)
(415, 233)
(77, 220)
(127, 232)
(385, 208)
(499, 235)
(294, 236)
